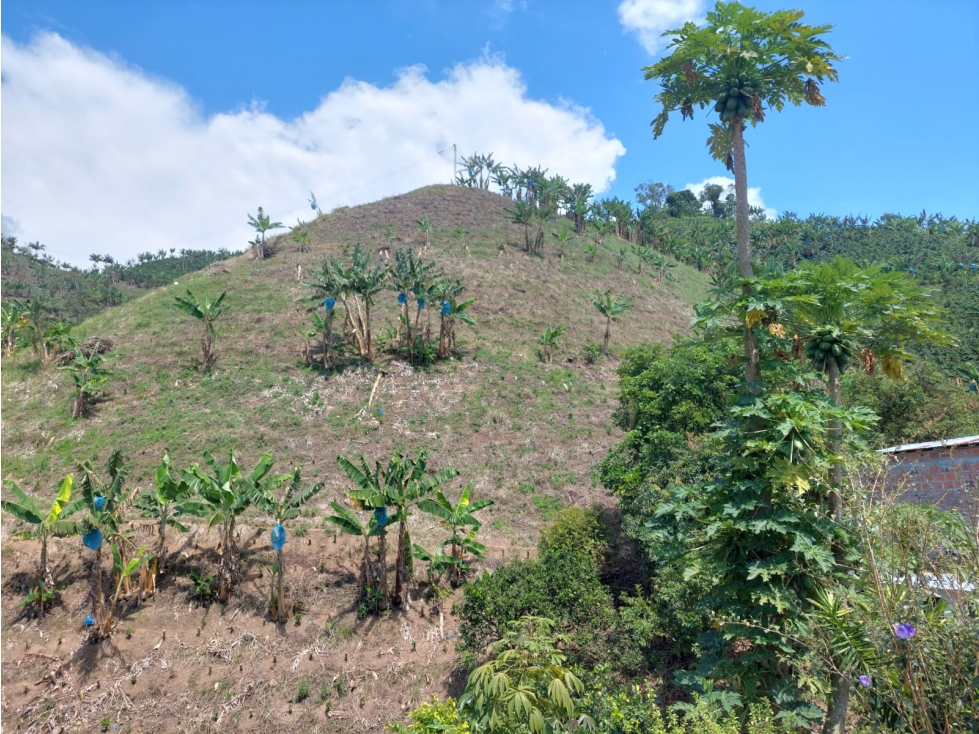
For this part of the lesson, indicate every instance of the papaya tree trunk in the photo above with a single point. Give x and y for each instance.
(752, 370)
(835, 438)
(838, 704)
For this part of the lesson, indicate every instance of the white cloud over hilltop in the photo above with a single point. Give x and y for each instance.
(649, 18)
(754, 192)
(100, 157)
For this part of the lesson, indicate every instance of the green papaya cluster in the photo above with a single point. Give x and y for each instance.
(736, 96)
(828, 345)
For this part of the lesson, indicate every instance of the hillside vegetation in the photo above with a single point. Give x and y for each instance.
(519, 426)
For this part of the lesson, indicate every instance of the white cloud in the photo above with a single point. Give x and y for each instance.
(649, 18)
(100, 157)
(754, 193)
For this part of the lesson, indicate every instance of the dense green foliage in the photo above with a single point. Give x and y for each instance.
(564, 583)
(927, 405)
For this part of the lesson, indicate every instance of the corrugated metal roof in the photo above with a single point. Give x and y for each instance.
(943, 444)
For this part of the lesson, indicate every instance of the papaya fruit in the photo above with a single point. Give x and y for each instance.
(837, 350)
(732, 104)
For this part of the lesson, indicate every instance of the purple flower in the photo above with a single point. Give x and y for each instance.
(864, 680)
(904, 630)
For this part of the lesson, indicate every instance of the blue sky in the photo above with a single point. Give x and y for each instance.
(133, 126)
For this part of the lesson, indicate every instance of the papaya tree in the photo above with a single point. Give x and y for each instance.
(737, 64)
(226, 493)
(611, 309)
(282, 510)
(528, 685)
(459, 519)
(206, 311)
(42, 526)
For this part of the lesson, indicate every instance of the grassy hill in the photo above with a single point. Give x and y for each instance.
(513, 425)
(527, 434)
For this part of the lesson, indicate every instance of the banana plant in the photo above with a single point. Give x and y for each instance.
(460, 520)
(13, 318)
(88, 374)
(548, 340)
(451, 311)
(280, 511)
(226, 492)
(206, 311)
(346, 520)
(171, 499)
(611, 309)
(261, 223)
(105, 497)
(371, 495)
(43, 525)
(124, 570)
(425, 225)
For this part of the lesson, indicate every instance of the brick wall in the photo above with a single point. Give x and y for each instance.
(947, 477)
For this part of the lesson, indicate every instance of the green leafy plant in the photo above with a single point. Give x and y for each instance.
(281, 511)
(459, 519)
(204, 591)
(206, 311)
(262, 224)
(548, 341)
(526, 684)
(42, 526)
(611, 308)
(88, 373)
(170, 500)
(425, 227)
(346, 520)
(226, 492)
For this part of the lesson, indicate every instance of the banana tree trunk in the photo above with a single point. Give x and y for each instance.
(403, 571)
(45, 580)
(97, 598)
(227, 573)
(382, 566)
(608, 332)
(752, 370)
(367, 330)
(281, 611)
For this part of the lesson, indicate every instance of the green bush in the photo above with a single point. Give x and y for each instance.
(565, 584)
(927, 406)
